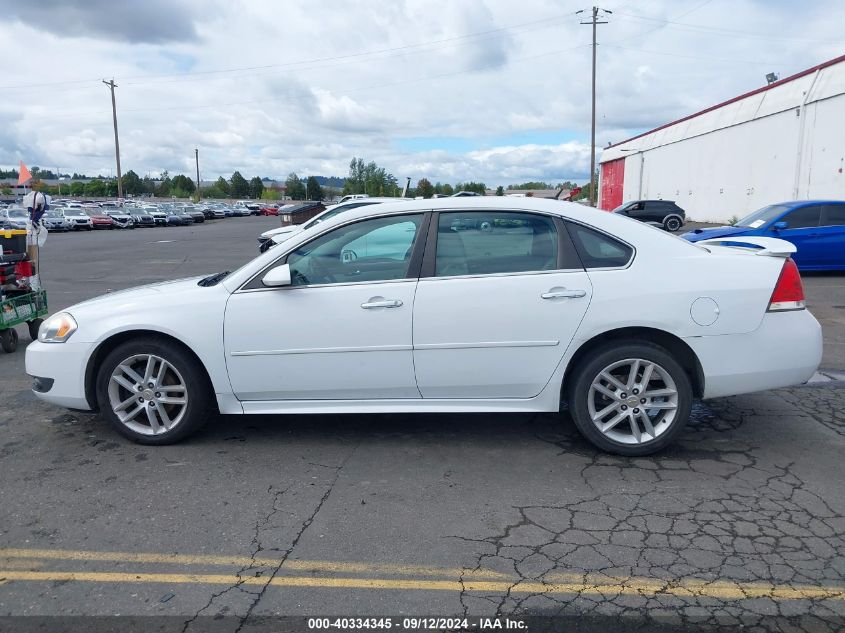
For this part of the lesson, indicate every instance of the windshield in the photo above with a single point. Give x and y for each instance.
(17, 213)
(762, 216)
(53, 214)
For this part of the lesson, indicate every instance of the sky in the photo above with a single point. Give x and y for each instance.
(487, 90)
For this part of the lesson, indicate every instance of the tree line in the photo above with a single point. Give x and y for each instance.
(363, 178)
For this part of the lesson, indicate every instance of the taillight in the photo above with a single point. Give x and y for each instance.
(789, 292)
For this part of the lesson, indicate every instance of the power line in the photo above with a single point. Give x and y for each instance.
(681, 56)
(680, 15)
(542, 23)
(287, 99)
(710, 30)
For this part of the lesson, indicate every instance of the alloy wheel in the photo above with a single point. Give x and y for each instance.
(633, 401)
(147, 394)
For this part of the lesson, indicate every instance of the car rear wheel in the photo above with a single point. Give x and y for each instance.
(630, 398)
(153, 392)
(672, 223)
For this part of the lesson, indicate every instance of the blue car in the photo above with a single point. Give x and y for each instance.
(816, 227)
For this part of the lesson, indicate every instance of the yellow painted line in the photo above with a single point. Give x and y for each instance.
(723, 590)
(245, 561)
(22, 563)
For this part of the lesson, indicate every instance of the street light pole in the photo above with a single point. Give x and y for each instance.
(197, 156)
(594, 21)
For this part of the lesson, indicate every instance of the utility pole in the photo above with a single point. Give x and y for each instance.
(197, 156)
(593, 180)
(112, 86)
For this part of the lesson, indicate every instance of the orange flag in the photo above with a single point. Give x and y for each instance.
(23, 175)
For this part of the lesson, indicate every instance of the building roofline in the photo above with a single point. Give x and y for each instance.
(779, 82)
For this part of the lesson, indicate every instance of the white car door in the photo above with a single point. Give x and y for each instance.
(497, 304)
(342, 329)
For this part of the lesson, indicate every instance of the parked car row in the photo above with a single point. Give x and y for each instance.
(67, 215)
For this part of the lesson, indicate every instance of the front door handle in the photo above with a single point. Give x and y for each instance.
(385, 303)
(564, 294)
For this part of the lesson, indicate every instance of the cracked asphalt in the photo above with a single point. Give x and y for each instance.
(741, 523)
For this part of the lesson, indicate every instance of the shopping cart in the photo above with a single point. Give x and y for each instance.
(25, 308)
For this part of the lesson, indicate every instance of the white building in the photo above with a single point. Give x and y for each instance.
(784, 141)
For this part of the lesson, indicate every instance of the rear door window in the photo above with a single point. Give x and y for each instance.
(489, 242)
(833, 215)
(803, 218)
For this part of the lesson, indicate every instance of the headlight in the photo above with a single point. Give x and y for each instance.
(57, 329)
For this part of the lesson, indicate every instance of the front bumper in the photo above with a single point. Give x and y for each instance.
(59, 370)
(784, 351)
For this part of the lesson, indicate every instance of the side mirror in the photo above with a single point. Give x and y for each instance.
(277, 277)
(780, 226)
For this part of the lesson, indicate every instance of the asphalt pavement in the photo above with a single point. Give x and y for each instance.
(741, 522)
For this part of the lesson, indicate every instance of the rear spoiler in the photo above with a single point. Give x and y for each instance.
(769, 246)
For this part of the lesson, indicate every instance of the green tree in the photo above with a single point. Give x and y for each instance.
(6, 190)
(585, 190)
(238, 186)
(313, 190)
(294, 187)
(500, 191)
(270, 194)
(184, 184)
(96, 188)
(477, 187)
(213, 192)
(448, 190)
(533, 184)
(162, 189)
(425, 188)
(370, 179)
(222, 185)
(132, 183)
(256, 188)
(77, 188)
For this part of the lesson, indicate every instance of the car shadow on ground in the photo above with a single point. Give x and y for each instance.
(479, 430)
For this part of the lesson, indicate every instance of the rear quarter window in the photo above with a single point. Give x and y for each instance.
(597, 249)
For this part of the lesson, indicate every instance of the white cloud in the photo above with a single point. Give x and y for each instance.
(306, 87)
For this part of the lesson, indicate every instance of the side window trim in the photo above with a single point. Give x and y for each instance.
(254, 283)
(567, 257)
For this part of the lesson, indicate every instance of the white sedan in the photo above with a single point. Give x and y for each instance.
(450, 305)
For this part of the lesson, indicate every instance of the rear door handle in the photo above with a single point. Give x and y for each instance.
(564, 294)
(386, 303)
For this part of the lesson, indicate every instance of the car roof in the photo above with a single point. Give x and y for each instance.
(611, 222)
(801, 203)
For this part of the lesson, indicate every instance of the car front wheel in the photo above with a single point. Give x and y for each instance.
(630, 398)
(153, 392)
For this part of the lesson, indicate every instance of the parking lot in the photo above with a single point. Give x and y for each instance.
(742, 521)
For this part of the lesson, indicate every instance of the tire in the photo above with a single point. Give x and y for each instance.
(672, 223)
(666, 419)
(9, 340)
(139, 420)
(33, 328)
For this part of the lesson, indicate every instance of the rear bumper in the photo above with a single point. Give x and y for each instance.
(59, 372)
(784, 351)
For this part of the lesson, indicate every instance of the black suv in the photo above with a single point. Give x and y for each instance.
(664, 213)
